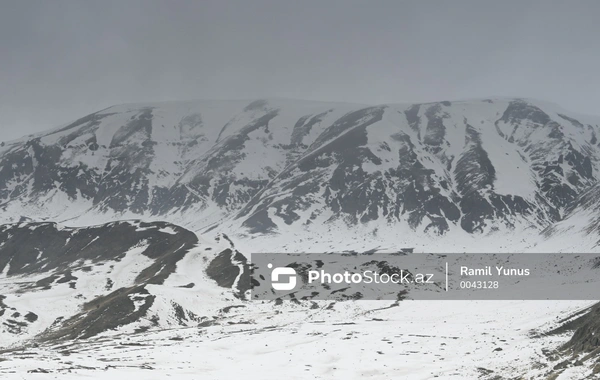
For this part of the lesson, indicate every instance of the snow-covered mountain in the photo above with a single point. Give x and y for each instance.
(480, 175)
(285, 167)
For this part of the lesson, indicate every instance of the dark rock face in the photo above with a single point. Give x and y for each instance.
(435, 131)
(414, 121)
(587, 335)
(103, 314)
(223, 270)
(519, 111)
(430, 166)
(230, 269)
(418, 193)
(475, 177)
(44, 248)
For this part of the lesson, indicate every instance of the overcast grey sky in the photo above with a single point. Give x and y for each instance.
(60, 60)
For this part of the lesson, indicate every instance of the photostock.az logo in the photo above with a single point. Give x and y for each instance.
(278, 272)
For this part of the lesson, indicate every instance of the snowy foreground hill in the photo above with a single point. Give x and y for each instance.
(165, 201)
(151, 300)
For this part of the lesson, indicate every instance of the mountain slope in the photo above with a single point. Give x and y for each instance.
(69, 283)
(292, 167)
(579, 230)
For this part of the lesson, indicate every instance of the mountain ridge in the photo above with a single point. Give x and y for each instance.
(278, 166)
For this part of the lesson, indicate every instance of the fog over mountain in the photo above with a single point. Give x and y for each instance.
(149, 149)
(63, 58)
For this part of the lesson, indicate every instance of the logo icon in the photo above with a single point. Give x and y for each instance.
(278, 272)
